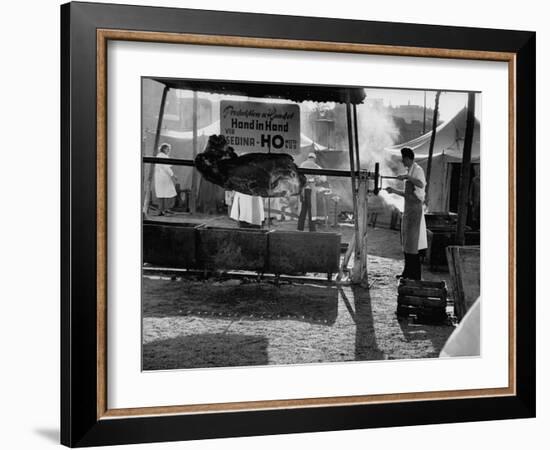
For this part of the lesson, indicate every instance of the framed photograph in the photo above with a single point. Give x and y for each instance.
(279, 224)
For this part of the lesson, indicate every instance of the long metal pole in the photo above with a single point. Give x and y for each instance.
(268, 198)
(148, 188)
(465, 170)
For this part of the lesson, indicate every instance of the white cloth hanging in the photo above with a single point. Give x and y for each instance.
(247, 208)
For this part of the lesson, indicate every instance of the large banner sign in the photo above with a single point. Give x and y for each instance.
(260, 127)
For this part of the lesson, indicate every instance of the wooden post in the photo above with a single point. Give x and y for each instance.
(149, 184)
(432, 142)
(356, 136)
(193, 196)
(353, 181)
(465, 170)
(359, 273)
(424, 116)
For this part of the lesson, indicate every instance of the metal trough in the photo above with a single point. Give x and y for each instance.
(231, 248)
(292, 252)
(196, 246)
(170, 244)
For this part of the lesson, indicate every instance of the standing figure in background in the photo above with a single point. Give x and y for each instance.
(413, 225)
(164, 181)
(309, 193)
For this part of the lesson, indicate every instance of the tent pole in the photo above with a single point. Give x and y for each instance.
(432, 142)
(193, 196)
(424, 116)
(148, 187)
(465, 171)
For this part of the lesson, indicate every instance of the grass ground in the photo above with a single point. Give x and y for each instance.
(190, 323)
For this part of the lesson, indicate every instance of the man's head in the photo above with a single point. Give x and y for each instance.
(311, 156)
(407, 156)
(165, 148)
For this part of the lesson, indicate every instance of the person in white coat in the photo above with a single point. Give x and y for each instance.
(164, 180)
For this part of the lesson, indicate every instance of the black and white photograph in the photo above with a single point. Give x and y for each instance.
(275, 225)
(304, 224)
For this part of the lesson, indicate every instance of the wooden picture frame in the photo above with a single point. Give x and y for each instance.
(85, 417)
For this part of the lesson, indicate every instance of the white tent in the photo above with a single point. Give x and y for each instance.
(448, 146)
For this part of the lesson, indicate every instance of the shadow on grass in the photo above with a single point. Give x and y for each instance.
(308, 303)
(205, 350)
(436, 333)
(366, 347)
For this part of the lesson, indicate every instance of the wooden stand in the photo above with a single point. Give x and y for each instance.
(425, 299)
(359, 273)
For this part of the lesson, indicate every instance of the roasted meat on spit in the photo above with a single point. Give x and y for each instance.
(262, 174)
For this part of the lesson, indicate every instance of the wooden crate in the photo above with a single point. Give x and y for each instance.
(425, 299)
(464, 270)
(439, 241)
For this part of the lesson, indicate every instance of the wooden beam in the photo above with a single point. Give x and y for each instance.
(353, 182)
(193, 196)
(465, 170)
(424, 116)
(432, 143)
(359, 273)
(356, 138)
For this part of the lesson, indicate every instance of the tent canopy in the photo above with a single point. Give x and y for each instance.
(294, 92)
(448, 147)
(449, 141)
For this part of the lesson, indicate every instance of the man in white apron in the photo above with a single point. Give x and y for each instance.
(413, 225)
(164, 180)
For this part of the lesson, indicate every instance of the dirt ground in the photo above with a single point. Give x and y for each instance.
(221, 322)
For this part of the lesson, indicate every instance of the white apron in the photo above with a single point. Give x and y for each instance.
(164, 187)
(423, 235)
(247, 208)
(416, 171)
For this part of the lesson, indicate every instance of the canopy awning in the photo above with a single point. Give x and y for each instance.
(449, 141)
(294, 92)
